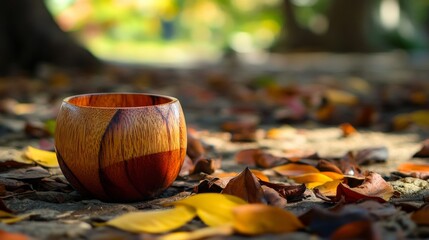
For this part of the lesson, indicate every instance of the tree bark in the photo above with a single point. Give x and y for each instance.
(29, 36)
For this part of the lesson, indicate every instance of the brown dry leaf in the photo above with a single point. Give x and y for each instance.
(290, 192)
(245, 186)
(347, 129)
(424, 151)
(156, 221)
(374, 187)
(267, 160)
(242, 131)
(26, 173)
(256, 219)
(41, 157)
(364, 229)
(204, 165)
(195, 148)
(294, 155)
(214, 185)
(294, 169)
(421, 216)
(273, 197)
(36, 130)
(12, 158)
(202, 233)
(371, 155)
(325, 165)
(214, 209)
(312, 180)
(13, 236)
(348, 165)
(247, 157)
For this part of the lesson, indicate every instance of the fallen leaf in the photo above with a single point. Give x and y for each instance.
(215, 185)
(256, 219)
(324, 222)
(294, 169)
(187, 167)
(245, 186)
(325, 165)
(13, 236)
(214, 209)
(418, 118)
(12, 158)
(328, 189)
(9, 218)
(195, 148)
(247, 157)
(357, 230)
(202, 233)
(36, 130)
(421, 215)
(156, 221)
(415, 170)
(333, 175)
(41, 157)
(371, 155)
(26, 173)
(348, 165)
(294, 155)
(255, 172)
(374, 187)
(268, 160)
(312, 180)
(290, 192)
(424, 151)
(273, 197)
(347, 129)
(204, 165)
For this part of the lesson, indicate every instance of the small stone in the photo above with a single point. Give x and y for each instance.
(409, 185)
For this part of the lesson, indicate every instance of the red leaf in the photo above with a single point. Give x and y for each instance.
(357, 230)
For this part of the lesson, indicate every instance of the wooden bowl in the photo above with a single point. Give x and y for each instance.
(120, 146)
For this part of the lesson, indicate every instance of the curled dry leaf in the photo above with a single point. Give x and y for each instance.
(12, 158)
(371, 155)
(328, 189)
(247, 157)
(273, 197)
(294, 169)
(415, 170)
(245, 186)
(267, 160)
(157, 221)
(347, 129)
(255, 219)
(348, 165)
(41, 157)
(213, 209)
(214, 185)
(374, 187)
(289, 192)
(204, 165)
(195, 148)
(424, 151)
(202, 233)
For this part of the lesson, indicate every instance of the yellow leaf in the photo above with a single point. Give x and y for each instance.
(9, 218)
(42, 157)
(202, 233)
(329, 189)
(311, 177)
(157, 221)
(333, 175)
(214, 209)
(254, 219)
(293, 169)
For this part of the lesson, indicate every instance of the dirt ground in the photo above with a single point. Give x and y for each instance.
(265, 92)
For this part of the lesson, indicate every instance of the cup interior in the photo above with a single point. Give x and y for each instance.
(118, 100)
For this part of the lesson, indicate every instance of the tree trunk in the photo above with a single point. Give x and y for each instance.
(29, 36)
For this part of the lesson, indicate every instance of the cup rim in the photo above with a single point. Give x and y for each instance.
(67, 100)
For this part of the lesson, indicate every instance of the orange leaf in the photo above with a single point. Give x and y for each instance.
(413, 167)
(333, 175)
(247, 156)
(12, 236)
(293, 169)
(255, 219)
(357, 230)
(329, 189)
(347, 129)
(421, 216)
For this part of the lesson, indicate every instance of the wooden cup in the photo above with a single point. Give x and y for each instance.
(120, 146)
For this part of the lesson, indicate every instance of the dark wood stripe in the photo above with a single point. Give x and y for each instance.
(165, 119)
(74, 181)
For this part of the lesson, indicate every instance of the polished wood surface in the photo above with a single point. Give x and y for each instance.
(120, 147)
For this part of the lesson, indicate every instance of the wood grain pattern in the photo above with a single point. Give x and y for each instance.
(121, 147)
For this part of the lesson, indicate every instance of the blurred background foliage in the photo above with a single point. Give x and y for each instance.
(183, 31)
